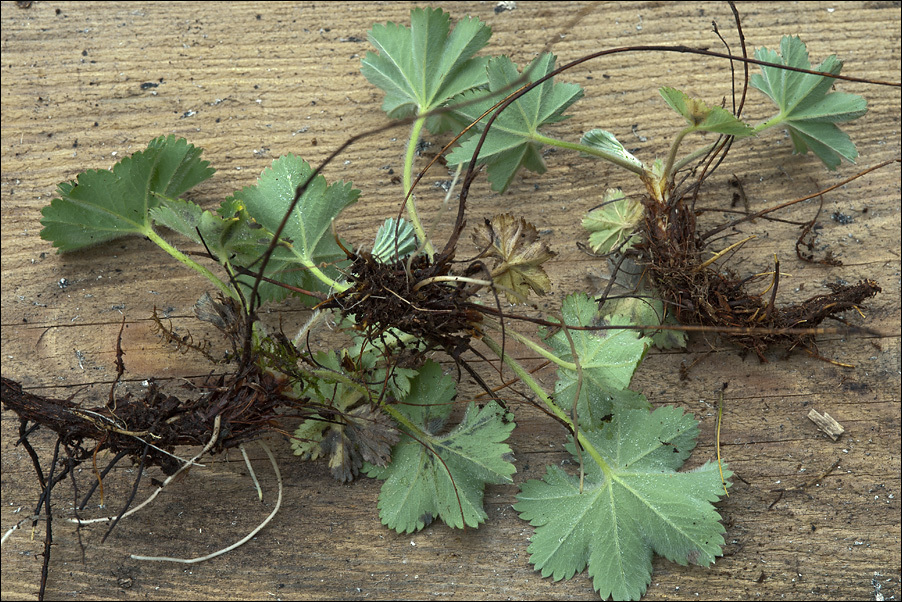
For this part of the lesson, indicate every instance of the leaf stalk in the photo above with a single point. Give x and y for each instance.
(407, 181)
(530, 382)
(163, 244)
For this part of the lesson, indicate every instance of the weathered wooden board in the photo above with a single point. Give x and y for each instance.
(84, 84)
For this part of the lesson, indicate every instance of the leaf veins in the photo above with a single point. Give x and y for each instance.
(518, 253)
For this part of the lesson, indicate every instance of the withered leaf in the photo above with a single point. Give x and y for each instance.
(518, 253)
(222, 313)
(367, 435)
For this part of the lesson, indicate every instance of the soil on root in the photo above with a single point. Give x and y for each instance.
(415, 298)
(673, 255)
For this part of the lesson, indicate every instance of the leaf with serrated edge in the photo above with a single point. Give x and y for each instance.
(307, 237)
(445, 475)
(702, 117)
(613, 224)
(103, 205)
(511, 142)
(623, 517)
(807, 107)
(642, 307)
(179, 216)
(421, 67)
(518, 253)
(222, 236)
(608, 359)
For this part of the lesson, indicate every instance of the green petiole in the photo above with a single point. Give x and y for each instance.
(530, 382)
(407, 182)
(163, 244)
(595, 152)
(541, 350)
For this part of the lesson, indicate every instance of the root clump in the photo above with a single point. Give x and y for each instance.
(246, 404)
(672, 253)
(415, 298)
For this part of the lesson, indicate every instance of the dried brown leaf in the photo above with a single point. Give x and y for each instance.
(518, 253)
(366, 436)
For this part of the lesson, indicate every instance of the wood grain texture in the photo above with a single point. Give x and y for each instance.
(250, 82)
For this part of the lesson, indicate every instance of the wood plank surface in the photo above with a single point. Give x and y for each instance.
(84, 84)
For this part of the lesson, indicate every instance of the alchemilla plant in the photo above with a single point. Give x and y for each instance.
(378, 406)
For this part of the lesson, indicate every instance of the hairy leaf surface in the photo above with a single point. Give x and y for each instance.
(103, 205)
(608, 359)
(307, 240)
(395, 240)
(807, 107)
(635, 506)
(423, 66)
(605, 141)
(702, 117)
(612, 225)
(511, 143)
(225, 237)
(443, 475)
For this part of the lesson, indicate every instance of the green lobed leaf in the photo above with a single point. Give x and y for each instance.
(608, 359)
(307, 239)
(421, 67)
(643, 307)
(639, 303)
(605, 141)
(511, 143)
(103, 205)
(613, 224)
(807, 107)
(702, 117)
(634, 507)
(443, 475)
(224, 237)
(179, 216)
(390, 247)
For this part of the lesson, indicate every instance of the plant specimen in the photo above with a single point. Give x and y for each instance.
(375, 406)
